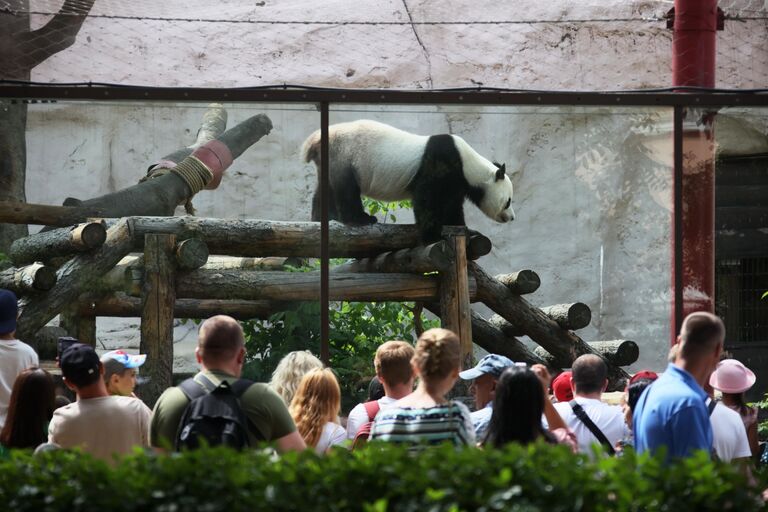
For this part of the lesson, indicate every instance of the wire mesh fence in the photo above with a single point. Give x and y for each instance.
(607, 45)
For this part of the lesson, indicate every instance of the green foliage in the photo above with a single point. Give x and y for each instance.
(4, 257)
(356, 330)
(386, 209)
(764, 295)
(379, 478)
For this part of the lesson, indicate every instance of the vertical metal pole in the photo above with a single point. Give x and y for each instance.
(677, 228)
(325, 353)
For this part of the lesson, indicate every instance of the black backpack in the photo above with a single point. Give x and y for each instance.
(213, 416)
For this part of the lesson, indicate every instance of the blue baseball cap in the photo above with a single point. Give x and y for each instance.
(124, 358)
(492, 364)
(9, 310)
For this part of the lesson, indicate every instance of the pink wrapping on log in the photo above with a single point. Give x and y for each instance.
(217, 157)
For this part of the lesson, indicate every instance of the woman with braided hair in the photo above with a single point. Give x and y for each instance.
(426, 416)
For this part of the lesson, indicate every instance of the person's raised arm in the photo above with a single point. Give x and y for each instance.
(554, 420)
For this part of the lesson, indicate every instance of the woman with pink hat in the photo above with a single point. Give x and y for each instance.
(732, 379)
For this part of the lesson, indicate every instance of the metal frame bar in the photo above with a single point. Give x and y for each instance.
(101, 93)
(677, 226)
(43, 93)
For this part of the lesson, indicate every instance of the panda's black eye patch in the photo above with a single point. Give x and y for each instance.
(508, 203)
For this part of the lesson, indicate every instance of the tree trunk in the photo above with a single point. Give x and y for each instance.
(23, 49)
(46, 215)
(521, 282)
(29, 279)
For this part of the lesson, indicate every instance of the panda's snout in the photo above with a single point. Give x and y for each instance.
(506, 215)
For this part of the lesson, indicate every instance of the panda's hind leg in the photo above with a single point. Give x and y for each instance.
(349, 204)
(333, 213)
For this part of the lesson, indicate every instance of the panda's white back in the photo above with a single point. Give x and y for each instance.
(386, 159)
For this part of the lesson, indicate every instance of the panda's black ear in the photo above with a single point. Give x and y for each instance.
(501, 171)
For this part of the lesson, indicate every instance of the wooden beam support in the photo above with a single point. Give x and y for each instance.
(47, 245)
(12, 212)
(75, 277)
(521, 282)
(568, 316)
(268, 263)
(540, 328)
(305, 286)
(121, 305)
(617, 352)
(455, 311)
(77, 325)
(430, 258)
(157, 302)
(30, 279)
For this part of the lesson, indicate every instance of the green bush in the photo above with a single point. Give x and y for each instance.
(376, 479)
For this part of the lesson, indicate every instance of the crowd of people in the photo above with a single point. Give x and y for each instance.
(409, 400)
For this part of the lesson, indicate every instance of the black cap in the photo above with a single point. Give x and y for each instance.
(80, 364)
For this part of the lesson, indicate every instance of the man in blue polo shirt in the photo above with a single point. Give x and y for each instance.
(672, 412)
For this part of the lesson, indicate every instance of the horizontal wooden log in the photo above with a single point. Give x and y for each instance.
(478, 245)
(12, 212)
(190, 254)
(521, 282)
(121, 305)
(261, 238)
(494, 341)
(569, 316)
(47, 245)
(305, 286)
(539, 327)
(617, 352)
(268, 263)
(73, 278)
(430, 258)
(32, 278)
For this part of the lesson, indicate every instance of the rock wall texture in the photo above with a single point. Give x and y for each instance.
(593, 185)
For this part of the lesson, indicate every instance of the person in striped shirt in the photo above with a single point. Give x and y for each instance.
(426, 416)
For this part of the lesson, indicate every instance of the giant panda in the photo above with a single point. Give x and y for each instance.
(436, 172)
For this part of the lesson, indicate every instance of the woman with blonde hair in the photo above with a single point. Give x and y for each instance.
(426, 416)
(290, 370)
(315, 407)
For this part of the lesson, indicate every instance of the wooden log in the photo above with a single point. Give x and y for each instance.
(569, 316)
(617, 352)
(539, 327)
(12, 212)
(454, 291)
(521, 282)
(478, 245)
(158, 299)
(121, 305)
(47, 245)
(260, 238)
(29, 279)
(190, 254)
(268, 263)
(494, 341)
(305, 286)
(430, 258)
(74, 277)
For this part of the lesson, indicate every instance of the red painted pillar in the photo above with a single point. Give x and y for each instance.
(693, 64)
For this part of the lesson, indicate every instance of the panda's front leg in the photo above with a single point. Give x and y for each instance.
(432, 213)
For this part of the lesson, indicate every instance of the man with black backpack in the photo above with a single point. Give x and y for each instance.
(217, 407)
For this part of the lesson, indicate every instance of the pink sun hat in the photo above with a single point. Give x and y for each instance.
(731, 377)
